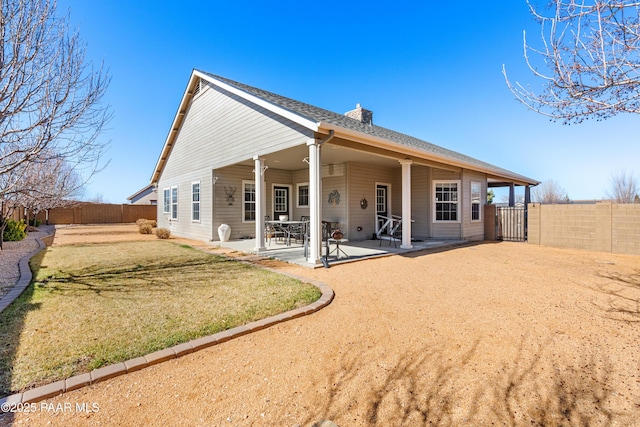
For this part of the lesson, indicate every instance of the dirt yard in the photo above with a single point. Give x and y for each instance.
(495, 333)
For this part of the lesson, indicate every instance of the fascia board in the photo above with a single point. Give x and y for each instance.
(173, 130)
(409, 151)
(303, 121)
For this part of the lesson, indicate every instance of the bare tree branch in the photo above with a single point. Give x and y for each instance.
(549, 192)
(51, 110)
(589, 60)
(624, 187)
(49, 97)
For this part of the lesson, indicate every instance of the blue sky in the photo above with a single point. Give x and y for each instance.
(427, 69)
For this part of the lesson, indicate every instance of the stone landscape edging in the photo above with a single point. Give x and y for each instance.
(25, 275)
(107, 372)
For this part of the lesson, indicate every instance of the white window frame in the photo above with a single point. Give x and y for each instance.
(244, 202)
(298, 204)
(456, 202)
(195, 203)
(477, 200)
(166, 200)
(174, 203)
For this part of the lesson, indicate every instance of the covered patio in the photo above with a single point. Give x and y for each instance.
(352, 250)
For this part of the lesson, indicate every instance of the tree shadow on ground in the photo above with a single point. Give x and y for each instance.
(12, 321)
(152, 278)
(623, 296)
(433, 385)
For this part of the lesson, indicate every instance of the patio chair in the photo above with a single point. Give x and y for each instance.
(299, 231)
(270, 231)
(394, 232)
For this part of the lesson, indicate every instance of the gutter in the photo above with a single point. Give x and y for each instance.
(383, 143)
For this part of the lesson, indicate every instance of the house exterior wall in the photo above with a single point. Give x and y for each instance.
(220, 129)
(445, 230)
(299, 177)
(420, 201)
(147, 197)
(473, 230)
(362, 179)
(183, 225)
(228, 205)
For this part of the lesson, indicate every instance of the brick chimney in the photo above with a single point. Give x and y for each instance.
(360, 114)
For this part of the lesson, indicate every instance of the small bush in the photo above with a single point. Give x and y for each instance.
(15, 231)
(35, 222)
(145, 228)
(163, 233)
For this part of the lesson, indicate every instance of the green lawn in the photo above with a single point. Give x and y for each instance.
(94, 305)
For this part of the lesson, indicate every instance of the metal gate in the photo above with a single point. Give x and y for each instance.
(512, 223)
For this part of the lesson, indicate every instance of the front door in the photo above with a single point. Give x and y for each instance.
(280, 202)
(382, 205)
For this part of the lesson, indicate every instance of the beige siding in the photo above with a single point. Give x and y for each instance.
(220, 130)
(335, 212)
(362, 179)
(184, 226)
(227, 211)
(299, 177)
(420, 196)
(472, 230)
(444, 230)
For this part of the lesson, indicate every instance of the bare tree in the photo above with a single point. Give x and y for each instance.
(624, 187)
(589, 60)
(41, 186)
(51, 110)
(50, 99)
(549, 192)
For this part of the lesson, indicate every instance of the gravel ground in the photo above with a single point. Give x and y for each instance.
(12, 253)
(490, 334)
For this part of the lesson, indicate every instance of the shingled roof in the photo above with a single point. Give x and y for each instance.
(318, 115)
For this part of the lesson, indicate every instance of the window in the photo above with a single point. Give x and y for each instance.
(166, 200)
(446, 201)
(476, 190)
(280, 196)
(174, 202)
(303, 195)
(195, 201)
(248, 201)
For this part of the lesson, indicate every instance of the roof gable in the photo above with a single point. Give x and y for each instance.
(321, 120)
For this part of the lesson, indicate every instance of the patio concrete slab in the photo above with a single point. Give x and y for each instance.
(356, 251)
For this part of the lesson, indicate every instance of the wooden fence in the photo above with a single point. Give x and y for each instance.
(95, 213)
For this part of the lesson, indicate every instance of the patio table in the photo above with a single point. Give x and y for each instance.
(287, 227)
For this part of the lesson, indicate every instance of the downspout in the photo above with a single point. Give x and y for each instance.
(328, 138)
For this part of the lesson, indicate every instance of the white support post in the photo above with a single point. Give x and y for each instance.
(406, 204)
(315, 206)
(261, 202)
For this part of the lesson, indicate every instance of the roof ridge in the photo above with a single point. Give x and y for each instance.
(317, 114)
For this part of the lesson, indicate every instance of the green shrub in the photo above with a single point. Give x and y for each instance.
(163, 233)
(15, 231)
(35, 222)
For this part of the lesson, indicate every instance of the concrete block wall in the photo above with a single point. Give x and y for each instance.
(625, 235)
(599, 227)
